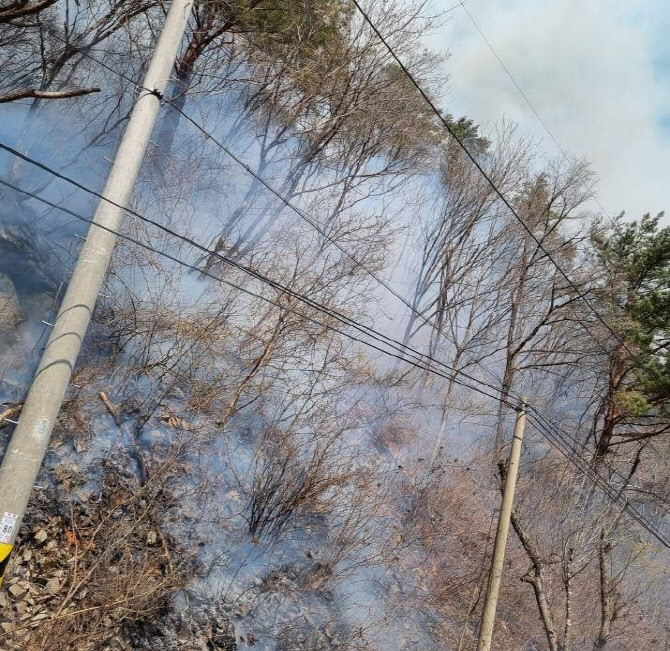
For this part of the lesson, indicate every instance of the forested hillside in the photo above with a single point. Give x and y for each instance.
(288, 425)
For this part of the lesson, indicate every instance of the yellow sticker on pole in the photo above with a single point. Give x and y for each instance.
(5, 549)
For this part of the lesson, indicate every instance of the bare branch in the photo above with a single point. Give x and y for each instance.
(21, 9)
(35, 93)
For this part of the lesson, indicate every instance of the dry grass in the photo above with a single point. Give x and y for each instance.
(79, 580)
(294, 475)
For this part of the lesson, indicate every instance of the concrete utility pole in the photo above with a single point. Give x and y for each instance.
(498, 560)
(28, 445)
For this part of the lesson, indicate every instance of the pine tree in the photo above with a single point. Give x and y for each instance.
(634, 258)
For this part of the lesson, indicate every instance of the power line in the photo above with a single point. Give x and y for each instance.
(345, 320)
(578, 444)
(558, 443)
(208, 135)
(460, 143)
(284, 200)
(216, 254)
(377, 335)
(561, 445)
(365, 330)
(289, 204)
(318, 228)
(587, 467)
(495, 188)
(315, 225)
(309, 302)
(525, 97)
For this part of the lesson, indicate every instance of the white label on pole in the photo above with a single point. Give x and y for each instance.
(7, 526)
(41, 428)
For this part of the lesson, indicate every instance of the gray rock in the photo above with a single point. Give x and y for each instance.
(10, 311)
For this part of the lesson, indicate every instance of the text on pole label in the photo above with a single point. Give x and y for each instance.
(7, 526)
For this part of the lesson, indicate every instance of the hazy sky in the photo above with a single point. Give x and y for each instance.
(598, 72)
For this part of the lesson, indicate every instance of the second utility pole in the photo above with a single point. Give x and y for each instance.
(498, 560)
(30, 439)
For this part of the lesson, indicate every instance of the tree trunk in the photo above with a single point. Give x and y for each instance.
(607, 612)
(610, 411)
(535, 577)
(567, 584)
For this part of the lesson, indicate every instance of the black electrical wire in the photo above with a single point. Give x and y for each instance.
(311, 222)
(398, 345)
(598, 479)
(418, 356)
(451, 132)
(447, 126)
(284, 200)
(576, 443)
(300, 213)
(502, 197)
(208, 135)
(275, 285)
(278, 287)
(281, 197)
(558, 443)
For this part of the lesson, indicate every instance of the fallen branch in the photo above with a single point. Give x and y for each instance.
(166, 550)
(113, 411)
(25, 93)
